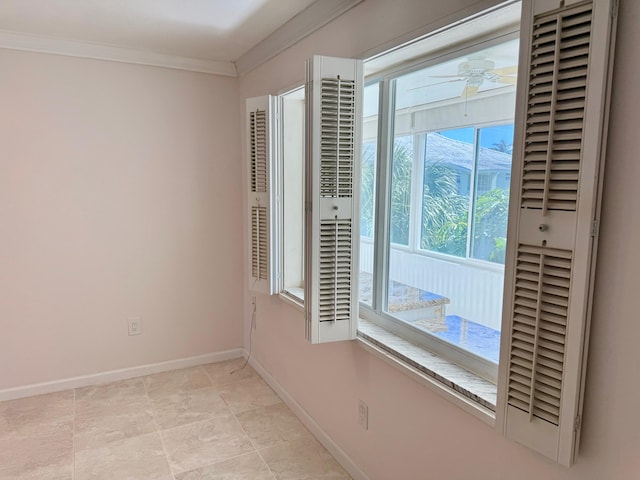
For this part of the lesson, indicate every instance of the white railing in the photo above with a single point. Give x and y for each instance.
(475, 290)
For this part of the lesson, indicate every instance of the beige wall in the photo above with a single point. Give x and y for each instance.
(415, 434)
(117, 191)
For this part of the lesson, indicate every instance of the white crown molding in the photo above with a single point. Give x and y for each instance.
(312, 18)
(70, 48)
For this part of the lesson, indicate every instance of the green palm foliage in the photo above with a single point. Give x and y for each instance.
(402, 167)
(445, 212)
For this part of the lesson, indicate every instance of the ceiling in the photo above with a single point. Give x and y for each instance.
(216, 32)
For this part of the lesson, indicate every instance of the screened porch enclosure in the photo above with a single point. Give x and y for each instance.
(459, 303)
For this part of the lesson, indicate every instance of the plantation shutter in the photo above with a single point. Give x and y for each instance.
(260, 149)
(558, 163)
(334, 111)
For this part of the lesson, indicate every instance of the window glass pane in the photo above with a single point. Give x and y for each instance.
(448, 163)
(449, 194)
(292, 122)
(368, 190)
(491, 198)
(401, 179)
(367, 195)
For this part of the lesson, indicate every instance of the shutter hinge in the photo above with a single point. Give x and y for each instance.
(614, 9)
(594, 228)
(307, 206)
(577, 423)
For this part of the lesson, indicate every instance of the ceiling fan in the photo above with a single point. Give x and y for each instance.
(476, 70)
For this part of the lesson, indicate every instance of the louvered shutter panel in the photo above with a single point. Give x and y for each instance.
(334, 112)
(560, 130)
(260, 149)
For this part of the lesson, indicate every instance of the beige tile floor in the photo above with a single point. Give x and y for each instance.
(201, 423)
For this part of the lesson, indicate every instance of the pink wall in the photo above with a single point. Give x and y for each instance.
(415, 434)
(116, 187)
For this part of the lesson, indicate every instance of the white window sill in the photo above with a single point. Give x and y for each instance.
(467, 390)
(470, 392)
(294, 297)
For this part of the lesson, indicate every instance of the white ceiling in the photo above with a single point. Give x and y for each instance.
(207, 30)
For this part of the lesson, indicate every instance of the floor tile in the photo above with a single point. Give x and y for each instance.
(41, 457)
(188, 407)
(176, 381)
(43, 414)
(248, 394)
(229, 371)
(111, 394)
(268, 426)
(137, 458)
(101, 425)
(245, 467)
(199, 444)
(202, 423)
(302, 460)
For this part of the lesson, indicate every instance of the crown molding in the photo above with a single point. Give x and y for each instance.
(70, 48)
(312, 18)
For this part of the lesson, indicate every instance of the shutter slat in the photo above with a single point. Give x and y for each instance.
(542, 285)
(258, 152)
(561, 68)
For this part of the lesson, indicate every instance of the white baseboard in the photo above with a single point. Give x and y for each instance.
(114, 375)
(308, 421)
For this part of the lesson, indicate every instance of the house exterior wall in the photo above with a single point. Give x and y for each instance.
(414, 433)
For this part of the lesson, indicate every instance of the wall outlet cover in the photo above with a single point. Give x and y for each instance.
(134, 326)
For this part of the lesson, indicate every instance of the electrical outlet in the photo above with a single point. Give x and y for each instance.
(363, 415)
(134, 326)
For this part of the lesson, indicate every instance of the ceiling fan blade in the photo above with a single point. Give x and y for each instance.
(469, 91)
(437, 83)
(505, 70)
(508, 80)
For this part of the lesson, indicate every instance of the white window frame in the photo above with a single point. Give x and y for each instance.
(293, 295)
(382, 245)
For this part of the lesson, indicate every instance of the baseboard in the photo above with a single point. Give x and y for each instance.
(114, 375)
(308, 421)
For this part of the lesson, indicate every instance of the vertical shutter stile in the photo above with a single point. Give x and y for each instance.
(260, 149)
(558, 164)
(334, 111)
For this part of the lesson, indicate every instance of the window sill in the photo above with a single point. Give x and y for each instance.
(472, 393)
(294, 297)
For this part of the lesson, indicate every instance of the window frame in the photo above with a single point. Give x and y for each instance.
(382, 208)
(287, 293)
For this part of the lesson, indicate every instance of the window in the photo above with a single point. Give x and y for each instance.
(553, 216)
(447, 158)
(291, 120)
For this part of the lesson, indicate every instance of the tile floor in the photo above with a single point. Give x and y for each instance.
(193, 424)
